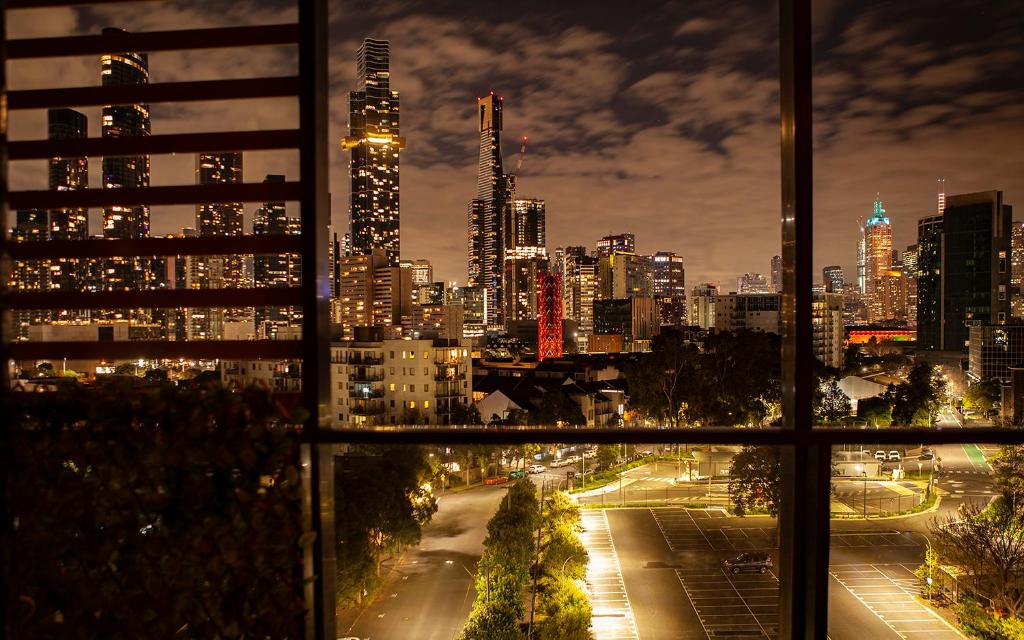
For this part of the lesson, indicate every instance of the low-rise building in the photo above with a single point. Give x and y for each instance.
(382, 382)
(753, 311)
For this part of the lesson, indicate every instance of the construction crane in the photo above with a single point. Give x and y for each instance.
(522, 158)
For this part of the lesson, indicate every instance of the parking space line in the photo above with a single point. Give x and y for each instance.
(889, 591)
(612, 617)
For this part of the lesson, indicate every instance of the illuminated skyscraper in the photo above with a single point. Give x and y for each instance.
(622, 242)
(964, 266)
(833, 278)
(69, 174)
(910, 273)
(373, 142)
(490, 209)
(670, 288)
(929, 282)
(220, 219)
(276, 271)
(1017, 271)
(128, 221)
(549, 316)
(776, 274)
(861, 257)
(877, 258)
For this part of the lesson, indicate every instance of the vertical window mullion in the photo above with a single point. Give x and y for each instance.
(804, 510)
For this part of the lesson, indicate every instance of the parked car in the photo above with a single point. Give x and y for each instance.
(926, 454)
(574, 459)
(496, 480)
(537, 468)
(518, 473)
(894, 456)
(748, 563)
(880, 455)
(559, 463)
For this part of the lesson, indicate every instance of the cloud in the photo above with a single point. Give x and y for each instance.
(661, 119)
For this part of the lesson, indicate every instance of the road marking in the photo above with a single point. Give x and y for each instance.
(744, 606)
(612, 617)
(889, 591)
(976, 457)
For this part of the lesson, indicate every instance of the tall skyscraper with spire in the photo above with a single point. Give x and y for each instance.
(374, 143)
(491, 209)
(878, 263)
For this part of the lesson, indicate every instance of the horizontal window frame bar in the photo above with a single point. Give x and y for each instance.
(39, 4)
(155, 196)
(192, 91)
(158, 349)
(154, 299)
(177, 40)
(822, 436)
(153, 145)
(270, 244)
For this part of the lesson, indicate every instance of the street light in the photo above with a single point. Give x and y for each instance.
(576, 556)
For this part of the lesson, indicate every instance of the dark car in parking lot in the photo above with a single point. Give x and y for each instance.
(748, 563)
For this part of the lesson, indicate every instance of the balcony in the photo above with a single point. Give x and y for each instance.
(441, 376)
(366, 376)
(367, 360)
(450, 390)
(365, 393)
(368, 408)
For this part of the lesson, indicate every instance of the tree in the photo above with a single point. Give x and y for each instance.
(982, 396)
(1008, 472)
(661, 381)
(607, 456)
(754, 480)
(834, 405)
(989, 547)
(465, 413)
(929, 570)
(155, 375)
(739, 379)
(877, 410)
(916, 400)
(565, 614)
(382, 503)
(557, 407)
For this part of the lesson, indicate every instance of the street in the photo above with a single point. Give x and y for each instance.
(428, 593)
(655, 572)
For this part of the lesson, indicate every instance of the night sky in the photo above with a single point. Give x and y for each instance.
(656, 119)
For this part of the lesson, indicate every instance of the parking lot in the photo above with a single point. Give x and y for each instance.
(888, 591)
(733, 606)
(679, 526)
(612, 615)
(853, 540)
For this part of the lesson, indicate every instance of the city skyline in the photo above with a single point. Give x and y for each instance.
(704, 117)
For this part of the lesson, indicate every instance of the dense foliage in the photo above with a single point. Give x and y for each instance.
(916, 401)
(734, 380)
(755, 480)
(504, 568)
(563, 609)
(150, 511)
(982, 396)
(383, 498)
